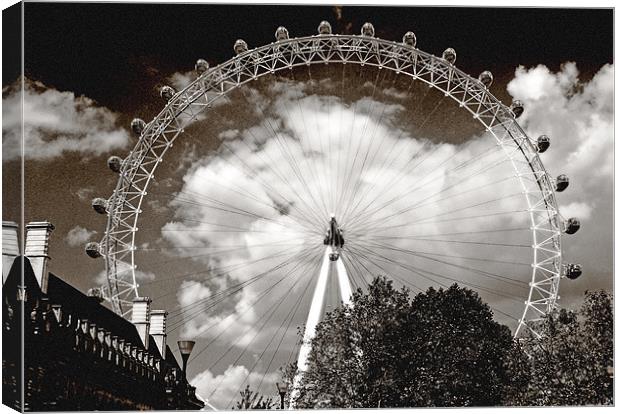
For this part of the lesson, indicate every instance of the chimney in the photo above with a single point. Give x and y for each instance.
(37, 246)
(140, 314)
(158, 330)
(10, 247)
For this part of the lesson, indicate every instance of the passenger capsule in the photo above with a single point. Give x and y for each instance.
(368, 30)
(240, 46)
(325, 28)
(486, 78)
(561, 182)
(409, 39)
(138, 126)
(201, 66)
(100, 205)
(281, 33)
(115, 162)
(571, 225)
(517, 108)
(572, 271)
(543, 143)
(167, 92)
(449, 55)
(92, 250)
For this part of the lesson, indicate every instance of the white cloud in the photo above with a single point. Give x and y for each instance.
(56, 122)
(224, 389)
(78, 235)
(180, 80)
(85, 193)
(581, 210)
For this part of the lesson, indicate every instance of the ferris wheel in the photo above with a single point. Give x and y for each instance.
(348, 183)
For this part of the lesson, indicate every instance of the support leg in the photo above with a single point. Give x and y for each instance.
(314, 317)
(343, 282)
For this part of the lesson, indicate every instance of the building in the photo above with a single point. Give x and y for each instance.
(78, 354)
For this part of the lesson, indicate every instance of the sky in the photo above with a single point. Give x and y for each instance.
(279, 148)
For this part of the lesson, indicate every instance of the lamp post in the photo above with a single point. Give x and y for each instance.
(185, 347)
(282, 388)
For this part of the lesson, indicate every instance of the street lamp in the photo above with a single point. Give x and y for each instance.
(185, 347)
(282, 391)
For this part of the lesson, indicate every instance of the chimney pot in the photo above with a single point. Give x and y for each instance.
(157, 330)
(140, 317)
(37, 249)
(10, 247)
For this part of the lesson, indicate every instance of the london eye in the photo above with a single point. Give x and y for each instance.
(314, 163)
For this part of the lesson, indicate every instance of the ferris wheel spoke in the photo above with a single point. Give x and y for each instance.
(255, 175)
(482, 272)
(214, 269)
(288, 318)
(361, 258)
(407, 283)
(424, 273)
(405, 171)
(319, 178)
(319, 137)
(417, 188)
(385, 219)
(405, 236)
(249, 279)
(214, 204)
(460, 218)
(356, 276)
(366, 161)
(227, 248)
(312, 211)
(300, 217)
(292, 316)
(432, 112)
(348, 170)
(223, 295)
(270, 311)
(383, 168)
(352, 185)
(345, 177)
(243, 193)
(287, 153)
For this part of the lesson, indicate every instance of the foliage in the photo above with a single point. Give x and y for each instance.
(384, 350)
(569, 364)
(250, 400)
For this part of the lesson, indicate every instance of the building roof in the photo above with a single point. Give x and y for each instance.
(84, 306)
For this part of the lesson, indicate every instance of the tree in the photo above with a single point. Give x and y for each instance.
(384, 350)
(569, 364)
(250, 400)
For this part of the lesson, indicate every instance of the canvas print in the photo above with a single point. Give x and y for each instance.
(291, 207)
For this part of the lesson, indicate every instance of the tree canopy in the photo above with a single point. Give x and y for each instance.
(572, 362)
(441, 348)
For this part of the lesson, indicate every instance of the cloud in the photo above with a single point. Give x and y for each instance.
(78, 235)
(85, 193)
(223, 390)
(581, 210)
(56, 122)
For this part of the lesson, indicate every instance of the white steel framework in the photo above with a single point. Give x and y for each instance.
(138, 168)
